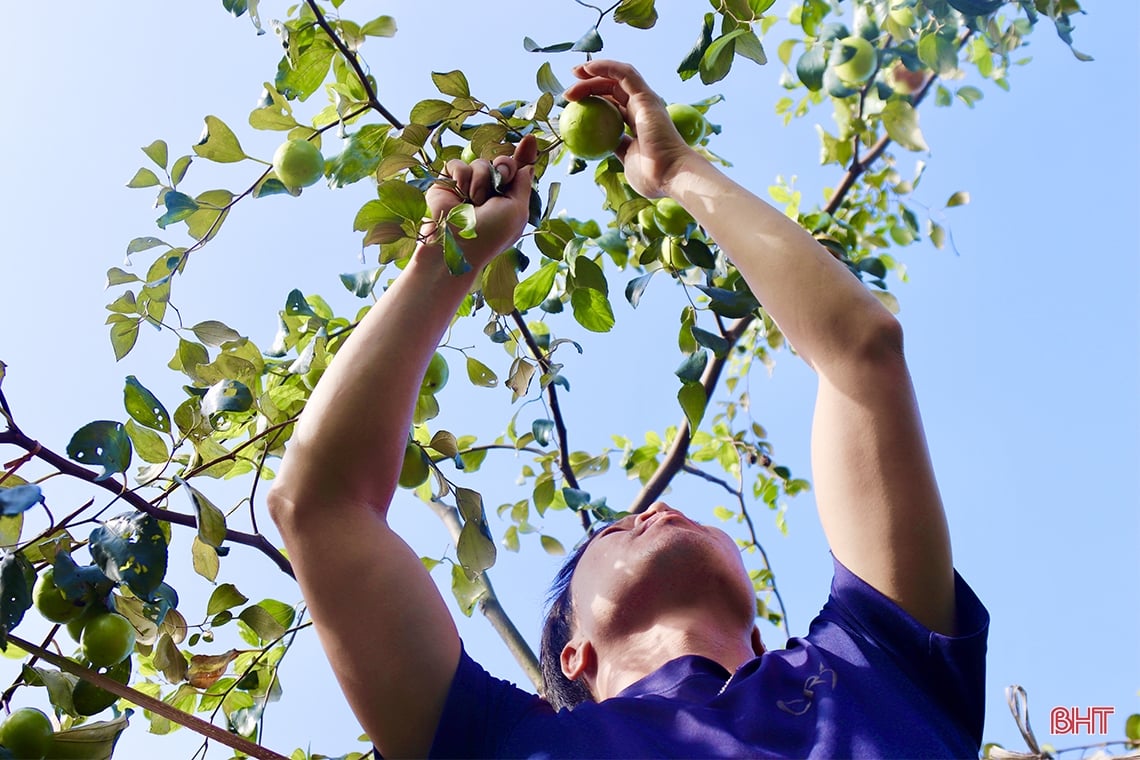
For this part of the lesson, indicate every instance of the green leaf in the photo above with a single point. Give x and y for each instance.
(811, 66)
(144, 244)
(690, 65)
(214, 333)
(452, 83)
(453, 255)
(960, 198)
(156, 152)
(179, 169)
(226, 396)
(104, 443)
(178, 207)
(149, 445)
(748, 45)
(552, 545)
(547, 81)
(590, 42)
(131, 549)
(299, 80)
(431, 111)
(534, 289)
(718, 345)
(938, 51)
(361, 284)
(19, 499)
(636, 287)
(592, 309)
(144, 406)
(143, 178)
(224, 597)
(692, 367)
(265, 625)
(531, 46)
(693, 401)
(219, 143)
(480, 374)
(360, 156)
(211, 520)
(17, 576)
(381, 26)
(717, 60)
(901, 122)
(204, 560)
(500, 278)
(124, 333)
(969, 95)
(639, 14)
(732, 304)
(467, 591)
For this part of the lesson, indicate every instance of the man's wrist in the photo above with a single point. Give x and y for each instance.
(682, 171)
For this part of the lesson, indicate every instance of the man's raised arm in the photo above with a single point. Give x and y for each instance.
(387, 633)
(874, 482)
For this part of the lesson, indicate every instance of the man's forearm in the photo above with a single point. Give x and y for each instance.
(350, 440)
(823, 310)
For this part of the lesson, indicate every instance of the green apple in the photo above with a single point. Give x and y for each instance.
(415, 469)
(107, 639)
(89, 699)
(673, 254)
(672, 217)
(298, 163)
(26, 733)
(591, 127)
(688, 121)
(854, 60)
(436, 375)
(468, 155)
(51, 602)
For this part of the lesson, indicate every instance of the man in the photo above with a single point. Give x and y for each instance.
(654, 638)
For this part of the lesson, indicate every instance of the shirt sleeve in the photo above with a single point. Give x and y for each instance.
(952, 669)
(480, 712)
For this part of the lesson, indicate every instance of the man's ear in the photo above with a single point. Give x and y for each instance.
(757, 642)
(577, 658)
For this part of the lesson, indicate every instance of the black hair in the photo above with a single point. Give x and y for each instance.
(557, 630)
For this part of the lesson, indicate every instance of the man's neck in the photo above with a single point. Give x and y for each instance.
(628, 660)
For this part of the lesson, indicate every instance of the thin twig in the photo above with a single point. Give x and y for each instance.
(193, 722)
(256, 541)
(543, 360)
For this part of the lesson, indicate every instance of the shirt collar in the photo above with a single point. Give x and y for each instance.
(691, 678)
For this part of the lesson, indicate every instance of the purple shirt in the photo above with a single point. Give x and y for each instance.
(868, 680)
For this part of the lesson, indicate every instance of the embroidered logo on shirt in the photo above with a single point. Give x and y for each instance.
(826, 678)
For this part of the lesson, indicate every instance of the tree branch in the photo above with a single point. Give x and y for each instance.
(255, 540)
(354, 62)
(169, 712)
(489, 604)
(555, 411)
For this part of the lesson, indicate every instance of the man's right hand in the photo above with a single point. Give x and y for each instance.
(656, 152)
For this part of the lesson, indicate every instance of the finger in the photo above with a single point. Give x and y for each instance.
(481, 188)
(526, 151)
(629, 77)
(525, 154)
(600, 87)
(622, 147)
(460, 172)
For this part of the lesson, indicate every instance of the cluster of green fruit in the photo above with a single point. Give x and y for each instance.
(416, 467)
(592, 128)
(106, 640)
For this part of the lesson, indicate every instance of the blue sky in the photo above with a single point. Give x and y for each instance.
(1023, 343)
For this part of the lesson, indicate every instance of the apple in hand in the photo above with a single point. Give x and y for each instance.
(591, 127)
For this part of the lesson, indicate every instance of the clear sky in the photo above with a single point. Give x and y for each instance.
(1023, 342)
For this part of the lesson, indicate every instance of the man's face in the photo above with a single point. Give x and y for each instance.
(645, 567)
